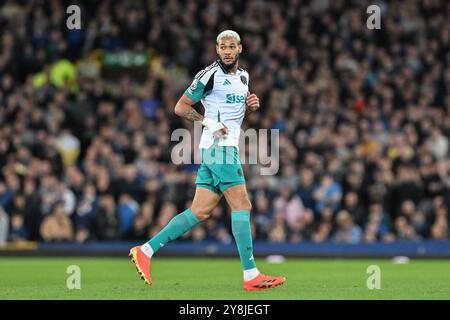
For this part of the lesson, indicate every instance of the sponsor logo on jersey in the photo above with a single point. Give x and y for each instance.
(226, 82)
(235, 98)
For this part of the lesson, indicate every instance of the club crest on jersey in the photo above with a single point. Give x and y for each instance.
(193, 85)
(244, 80)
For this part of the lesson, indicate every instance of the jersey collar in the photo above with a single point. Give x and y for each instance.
(219, 62)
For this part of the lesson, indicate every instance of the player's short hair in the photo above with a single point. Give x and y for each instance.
(228, 34)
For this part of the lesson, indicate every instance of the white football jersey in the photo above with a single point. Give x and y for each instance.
(224, 97)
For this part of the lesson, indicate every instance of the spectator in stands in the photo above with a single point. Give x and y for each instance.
(378, 225)
(404, 231)
(57, 227)
(323, 232)
(353, 205)
(440, 227)
(346, 231)
(278, 231)
(327, 193)
(262, 217)
(305, 190)
(68, 146)
(198, 233)
(289, 206)
(87, 207)
(107, 220)
(6, 197)
(17, 231)
(127, 208)
(438, 143)
(82, 235)
(223, 236)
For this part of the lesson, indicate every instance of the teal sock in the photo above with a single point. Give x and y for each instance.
(240, 226)
(174, 229)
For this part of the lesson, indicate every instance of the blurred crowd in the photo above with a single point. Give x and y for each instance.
(364, 119)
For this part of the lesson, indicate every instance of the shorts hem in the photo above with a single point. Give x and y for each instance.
(232, 184)
(209, 187)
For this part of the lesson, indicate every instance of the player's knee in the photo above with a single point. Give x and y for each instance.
(247, 205)
(244, 204)
(202, 214)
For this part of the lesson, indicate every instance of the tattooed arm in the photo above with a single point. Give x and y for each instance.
(184, 109)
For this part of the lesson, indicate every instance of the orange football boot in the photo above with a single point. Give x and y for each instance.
(142, 263)
(262, 282)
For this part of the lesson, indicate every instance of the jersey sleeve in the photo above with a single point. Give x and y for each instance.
(200, 86)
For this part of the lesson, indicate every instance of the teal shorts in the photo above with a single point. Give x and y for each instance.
(220, 168)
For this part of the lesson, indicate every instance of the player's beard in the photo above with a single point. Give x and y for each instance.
(230, 66)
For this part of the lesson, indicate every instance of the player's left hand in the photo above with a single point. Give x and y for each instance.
(252, 101)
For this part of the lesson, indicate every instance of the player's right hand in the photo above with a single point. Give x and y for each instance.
(221, 132)
(217, 128)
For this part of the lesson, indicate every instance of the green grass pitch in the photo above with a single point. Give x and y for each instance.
(184, 278)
